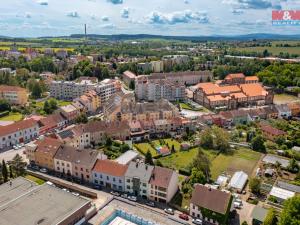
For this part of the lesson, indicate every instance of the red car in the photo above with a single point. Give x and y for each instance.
(183, 216)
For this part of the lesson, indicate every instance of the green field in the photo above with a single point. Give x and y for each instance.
(241, 159)
(35, 179)
(273, 50)
(182, 159)
(12, 117)
(59, 103)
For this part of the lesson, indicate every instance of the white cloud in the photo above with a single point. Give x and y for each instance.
(125, 13)
(42, 2)
(186, 16)
(105, 18)
(73, 14)
(108, 26)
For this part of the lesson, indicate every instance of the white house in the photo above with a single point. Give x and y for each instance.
(109, 174)
(163, 184)
(18, 132)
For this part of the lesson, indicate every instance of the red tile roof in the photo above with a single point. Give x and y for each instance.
(17, 126)
(208, 198)
(235, 75)
(48, 145)
(161, 177)
(271, 130)
(4, 88)
(110, 167)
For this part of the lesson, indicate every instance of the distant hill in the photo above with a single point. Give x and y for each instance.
(258, 36)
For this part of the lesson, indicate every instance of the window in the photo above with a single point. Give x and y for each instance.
(114, 179)
(95, 175)
(58, 168)
(81, 169)
(107, 177)
(88, 176)
(120, 181)
(57, 162)
(144, 191)
(95, 181)
(128, 180)
(101, 176)
(87, 170)
(128, 187)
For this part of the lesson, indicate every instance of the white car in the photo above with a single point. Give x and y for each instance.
(75, 193)
(197, 221)
(169, 211)
(43, 170)
(132, 198)
(15, 147)
(237, 205)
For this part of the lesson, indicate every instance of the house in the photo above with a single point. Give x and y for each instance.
(109, 174)
(211, 205)
(238, 181)
(258, 215)
(240, 116)
(137, 179)
(13, 94)
(163, 184)
(284, 111)
(271, 111)
(271, 133)
(76, 163)
(295, 108)
(137, 133)
(45, 151)
(19, 132)
(52, 122)
(70, 112)
(128, 77)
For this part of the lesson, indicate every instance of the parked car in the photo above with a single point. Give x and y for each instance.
(197, 221)
(75, 193)
(115, 193)
(124, 196)
(43, 170)
(50, 183)
(183, 216)
(35, 167)
(237, 205)
(15, 147)
(19, 146)
(132, 198)
(97, 187)
(151, 204)
(169, 211)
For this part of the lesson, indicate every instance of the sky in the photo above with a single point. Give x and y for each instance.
(36, 18)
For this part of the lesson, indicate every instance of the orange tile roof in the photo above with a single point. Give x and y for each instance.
(48, 145)
(17, 126)
(6, 88)
(110, 167)
(211, 88)
(234, 75)
(252, 78)
(252, 90)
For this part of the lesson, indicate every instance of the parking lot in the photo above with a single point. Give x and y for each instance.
(8, 155)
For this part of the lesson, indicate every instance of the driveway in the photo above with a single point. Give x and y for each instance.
(243, 214)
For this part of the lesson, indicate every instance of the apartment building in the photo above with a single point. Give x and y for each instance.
(13, 94)
(211, 205)
(124, 108)
(109, 174)
(71, 112)
(216, 96)
(52, 122)
(163, 184)
(18, 132)
(90, 101)
(128, 77)
(70, 90)
(137, 179)
(45, 151)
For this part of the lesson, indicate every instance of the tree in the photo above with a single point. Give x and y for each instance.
(108, 141)
(206, 139)
(18, 165)
(196, 177)
(82, 118)
(202, 163)
(173, 149)
(254, 185)
(47, 108)
(271, 218)
(4, 105)
(221, 140)
(36, 91)
(4, 171)
(10, 172)
(293, 166)
(148, 158)
(132, 85)
(258, 144)
(245, 223)
(290, 214)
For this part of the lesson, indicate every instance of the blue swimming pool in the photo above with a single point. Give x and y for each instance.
(127, 216)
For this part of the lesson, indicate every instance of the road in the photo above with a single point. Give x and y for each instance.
(10, 154)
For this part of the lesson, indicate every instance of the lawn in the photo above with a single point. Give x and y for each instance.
(274, 50)
(285, 98)
(186, 106)
(35, 179)
(241, 159)
(12, 117)
(144, 147)
(182, 159)
(59, 103)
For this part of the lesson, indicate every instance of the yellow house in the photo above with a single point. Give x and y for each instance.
(14, 95)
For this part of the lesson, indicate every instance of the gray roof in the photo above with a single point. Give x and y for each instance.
(272, 159)
(259, 213)
(140, 170)
(43, 205)
(289, 187)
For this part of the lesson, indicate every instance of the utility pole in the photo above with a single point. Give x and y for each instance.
(85, 35)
